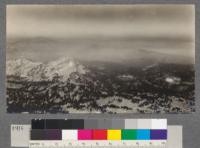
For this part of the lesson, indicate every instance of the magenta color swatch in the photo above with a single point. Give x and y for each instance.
(84, 134)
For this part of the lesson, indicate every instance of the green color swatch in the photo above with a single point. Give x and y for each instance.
(129, 134)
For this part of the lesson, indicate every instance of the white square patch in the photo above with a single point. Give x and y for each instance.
(69, 135)
(158, 123)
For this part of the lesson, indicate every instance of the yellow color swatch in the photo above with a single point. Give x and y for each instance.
(114, 134)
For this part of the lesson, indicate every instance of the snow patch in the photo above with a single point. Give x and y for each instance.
(125, 77)
(173, 80)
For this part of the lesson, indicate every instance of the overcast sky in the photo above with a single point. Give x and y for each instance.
(99, 32)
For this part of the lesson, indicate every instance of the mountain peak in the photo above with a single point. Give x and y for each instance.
(63, 60)
(36, 71)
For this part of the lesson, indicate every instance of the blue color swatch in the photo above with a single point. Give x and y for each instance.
(143, 134)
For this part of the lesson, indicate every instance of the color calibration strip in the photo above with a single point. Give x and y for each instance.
(98, 137)
(99, 124)
(99, 134)
(99, 129)
(174, 140)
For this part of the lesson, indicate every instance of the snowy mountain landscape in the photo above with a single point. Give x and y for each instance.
(35, 71)
(100, 59)
(67, 85)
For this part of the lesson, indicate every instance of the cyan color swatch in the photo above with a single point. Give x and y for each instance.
(143, 134)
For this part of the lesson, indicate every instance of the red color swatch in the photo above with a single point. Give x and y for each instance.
(99, 135)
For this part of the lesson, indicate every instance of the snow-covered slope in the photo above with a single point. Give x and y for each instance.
(20, 67)
(35, 71)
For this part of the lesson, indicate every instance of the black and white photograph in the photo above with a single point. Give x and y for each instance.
(137, 58)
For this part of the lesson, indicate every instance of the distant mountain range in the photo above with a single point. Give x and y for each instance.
(37, 71)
